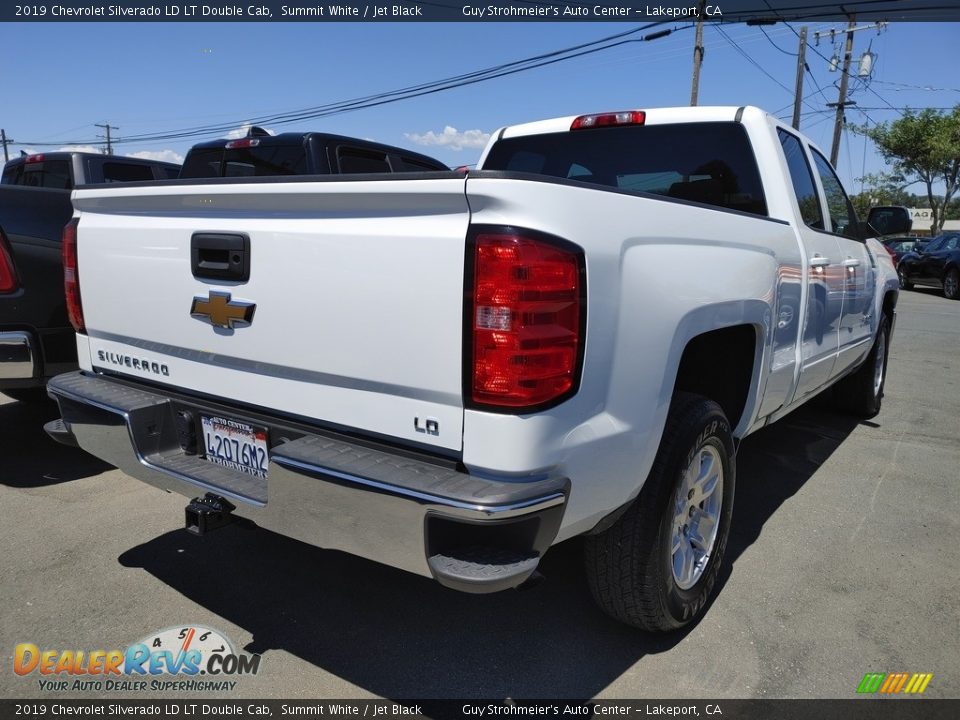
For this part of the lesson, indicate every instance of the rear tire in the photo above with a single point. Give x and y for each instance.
(862, 392)
(656, 567)
(951, 284)
(905, 283)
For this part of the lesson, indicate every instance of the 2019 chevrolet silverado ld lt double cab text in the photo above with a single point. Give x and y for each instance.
(449, 374)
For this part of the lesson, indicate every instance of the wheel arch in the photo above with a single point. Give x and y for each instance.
(721, 359)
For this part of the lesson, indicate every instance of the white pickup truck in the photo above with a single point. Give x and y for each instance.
(450, 373)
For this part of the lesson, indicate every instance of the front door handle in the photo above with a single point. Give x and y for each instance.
(851, 263)
(819, 261)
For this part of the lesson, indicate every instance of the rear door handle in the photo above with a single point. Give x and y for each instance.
(851, 263)
(819, 261)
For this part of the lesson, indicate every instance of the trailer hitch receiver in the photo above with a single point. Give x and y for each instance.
(208, 513)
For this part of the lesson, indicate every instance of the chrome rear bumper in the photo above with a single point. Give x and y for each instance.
(328, 490)
(16, 356)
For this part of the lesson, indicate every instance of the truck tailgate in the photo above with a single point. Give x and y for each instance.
(357, 287)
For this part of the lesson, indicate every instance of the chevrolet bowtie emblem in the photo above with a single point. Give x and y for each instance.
(220, 311)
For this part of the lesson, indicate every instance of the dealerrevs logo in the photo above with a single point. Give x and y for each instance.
(181, 658)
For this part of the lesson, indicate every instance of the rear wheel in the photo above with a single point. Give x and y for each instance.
(656, 567)
(905, 283)
(862, 392)
(951, 284)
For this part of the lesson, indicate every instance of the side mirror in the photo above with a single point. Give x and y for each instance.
(889, 220)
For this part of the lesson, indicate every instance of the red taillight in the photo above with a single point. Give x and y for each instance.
(8, 273)
(34, 158)
(244, 143)
(627, 117)
(526, 319)
(71, 276)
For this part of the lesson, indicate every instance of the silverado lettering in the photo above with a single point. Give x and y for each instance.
(133, 362)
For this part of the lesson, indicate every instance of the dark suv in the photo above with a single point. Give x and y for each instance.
(936, 265)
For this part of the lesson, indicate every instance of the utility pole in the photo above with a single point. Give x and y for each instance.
(697, 54)
(108, 127)
(5, 141)
(801, 65)
(842, 101)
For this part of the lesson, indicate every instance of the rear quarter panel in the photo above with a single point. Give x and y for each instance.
(659, 272)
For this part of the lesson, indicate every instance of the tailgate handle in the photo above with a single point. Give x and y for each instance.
(220, 256)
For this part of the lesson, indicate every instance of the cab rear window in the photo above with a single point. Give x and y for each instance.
(47, 174)
(709, 163)
(260, 161)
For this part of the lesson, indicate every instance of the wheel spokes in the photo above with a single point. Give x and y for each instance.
(684, 563)
(696, 516)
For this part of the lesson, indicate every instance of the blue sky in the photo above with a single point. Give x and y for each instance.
(59, 79)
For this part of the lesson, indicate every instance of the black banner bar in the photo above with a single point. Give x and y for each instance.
(633, 11)
(857, 709)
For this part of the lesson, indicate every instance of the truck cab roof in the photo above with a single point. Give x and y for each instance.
(300, 153)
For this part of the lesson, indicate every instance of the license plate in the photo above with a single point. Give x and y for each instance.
(235, 445)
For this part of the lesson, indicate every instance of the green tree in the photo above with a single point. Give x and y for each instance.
(883, 189)
(923, 147)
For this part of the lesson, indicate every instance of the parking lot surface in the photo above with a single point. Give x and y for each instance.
(843, 560)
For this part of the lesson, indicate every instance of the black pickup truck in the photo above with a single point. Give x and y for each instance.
(36, 339)
(260, 154)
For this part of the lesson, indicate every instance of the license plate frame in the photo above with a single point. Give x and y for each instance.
(235, 445)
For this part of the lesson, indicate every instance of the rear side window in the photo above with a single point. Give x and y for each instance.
(258, 161)
(802, 178)
(355, 160)
(265, 161)
(48, 174)
(710, 163)
(125, 172)
(12, 174)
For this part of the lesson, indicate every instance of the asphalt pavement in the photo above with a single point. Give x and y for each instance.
(844, 559)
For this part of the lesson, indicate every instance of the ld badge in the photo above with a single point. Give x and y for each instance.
(220, 311)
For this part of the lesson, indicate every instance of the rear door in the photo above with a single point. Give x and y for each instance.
(934, 264)
(824, 280)
(857, 322)
(351, 313)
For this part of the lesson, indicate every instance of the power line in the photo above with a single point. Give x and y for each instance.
(902, 110)
(497, 71)
(770, 40)
(753, 62)
(907, 86)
